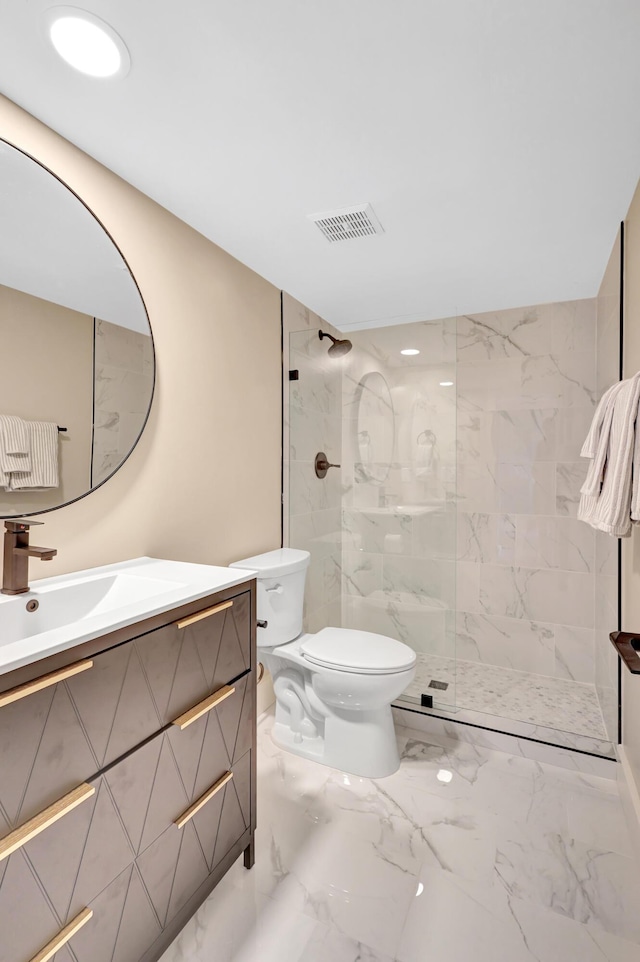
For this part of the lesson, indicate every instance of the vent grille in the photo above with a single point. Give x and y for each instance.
(350, 222)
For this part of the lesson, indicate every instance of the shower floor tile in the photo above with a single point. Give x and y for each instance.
(555, 703)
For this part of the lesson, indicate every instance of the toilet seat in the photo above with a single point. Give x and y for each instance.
(361, 652)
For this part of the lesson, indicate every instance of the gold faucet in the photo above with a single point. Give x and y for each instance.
(17, 551)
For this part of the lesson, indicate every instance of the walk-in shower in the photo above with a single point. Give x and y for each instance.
(452, 522)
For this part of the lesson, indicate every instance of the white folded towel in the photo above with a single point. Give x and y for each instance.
(596, 447)
(606, 495)
(14, 446)
(43, 439)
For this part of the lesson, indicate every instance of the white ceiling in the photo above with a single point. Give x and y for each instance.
(497, 140)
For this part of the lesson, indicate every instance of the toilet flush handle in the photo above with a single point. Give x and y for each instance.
(277, 589)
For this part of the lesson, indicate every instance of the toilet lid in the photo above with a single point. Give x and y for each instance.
(360, 651)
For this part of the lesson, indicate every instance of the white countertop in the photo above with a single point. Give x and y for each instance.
(164, 585)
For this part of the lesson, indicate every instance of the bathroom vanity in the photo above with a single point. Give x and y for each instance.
(127, 757)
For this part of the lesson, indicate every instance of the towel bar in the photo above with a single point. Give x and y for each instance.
(627, 644)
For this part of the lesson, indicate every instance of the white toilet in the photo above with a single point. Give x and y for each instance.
(333, 689)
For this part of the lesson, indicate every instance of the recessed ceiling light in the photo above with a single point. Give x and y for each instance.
(410, 351)
(446, 383)
(87, 43)
(444, 775)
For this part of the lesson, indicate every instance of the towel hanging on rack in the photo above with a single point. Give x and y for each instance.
(15, 447)
(28, 454)
(14, 444)
(610, 495)
(43, 439)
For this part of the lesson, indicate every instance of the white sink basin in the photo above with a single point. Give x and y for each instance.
(77, 607)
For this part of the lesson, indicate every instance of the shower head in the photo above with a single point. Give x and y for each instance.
(338, 348)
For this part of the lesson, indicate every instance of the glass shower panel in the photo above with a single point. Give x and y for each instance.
(313, 424)
(532, 579)
(451, 522)
(399, 490)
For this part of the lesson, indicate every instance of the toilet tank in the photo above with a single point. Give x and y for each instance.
(280, 576)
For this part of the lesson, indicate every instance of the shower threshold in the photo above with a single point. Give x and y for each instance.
(554, 710)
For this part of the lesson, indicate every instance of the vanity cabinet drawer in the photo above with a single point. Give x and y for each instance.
(123, 925)
(130, 911)
(27, 921)
(119, 925)
(187, 660)
(128, 829)
(179, 861)
(87, 859)
(210, 746)
(58, 736)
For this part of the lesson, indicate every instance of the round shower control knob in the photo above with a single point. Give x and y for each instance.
(322, 465)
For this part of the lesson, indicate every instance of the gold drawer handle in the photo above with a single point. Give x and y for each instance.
(20, 836)
(191, 620)
(44, 681)
(63, 937)
(193, 714)
(210, 792)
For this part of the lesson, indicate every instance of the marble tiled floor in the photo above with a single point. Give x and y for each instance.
(522, 696)
(510, 861)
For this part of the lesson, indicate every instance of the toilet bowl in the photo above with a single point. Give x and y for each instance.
(333, 688)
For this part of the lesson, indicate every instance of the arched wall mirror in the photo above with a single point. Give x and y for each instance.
(78, 364)
(375, 427)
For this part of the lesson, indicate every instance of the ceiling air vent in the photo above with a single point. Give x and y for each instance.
(337, 225)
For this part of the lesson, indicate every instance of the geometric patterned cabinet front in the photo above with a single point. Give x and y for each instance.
(56, 738)
(121, 852)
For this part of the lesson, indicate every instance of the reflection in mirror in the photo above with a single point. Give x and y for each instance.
(76, 344)
(375, 428)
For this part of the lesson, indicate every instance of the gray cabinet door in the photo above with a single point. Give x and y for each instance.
(215, 744)
(27, 920)
(44, 753)
(124, 923)
(86, 858)
(120, 852)
(54, 739)
(184, 665)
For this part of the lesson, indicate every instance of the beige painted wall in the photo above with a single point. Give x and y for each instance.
(203, 484)
(47, 375)
(631, 546)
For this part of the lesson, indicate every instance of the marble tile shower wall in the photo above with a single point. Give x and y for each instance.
(399, 574)
(313, 423)
(484, 559)
(526, 388)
